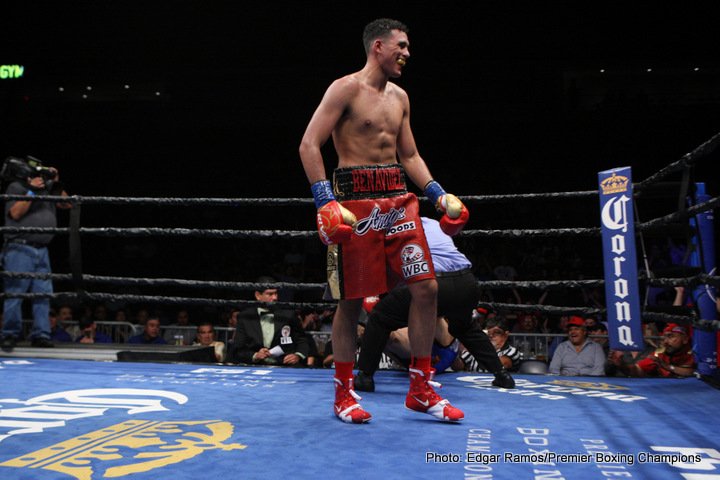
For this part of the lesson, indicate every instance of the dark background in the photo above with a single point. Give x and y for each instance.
(507, 97)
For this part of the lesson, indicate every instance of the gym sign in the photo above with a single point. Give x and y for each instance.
(11, 71)
(618, 242)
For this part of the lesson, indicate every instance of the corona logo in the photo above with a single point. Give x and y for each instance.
(619, 259)
(614, 184)
(128, 448)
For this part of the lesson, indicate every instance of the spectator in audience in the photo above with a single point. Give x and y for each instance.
(630, 358)
(525, 327)
(325, 319)
(650, 330)
(65, 314)
(100, 313)
(205, 336)
(233, 318)
(57, 333)
(674, 358)
(526, 323)
(680, 298)
(180, 333)
(141, 316)
(598, 334)
(499, 333)
(121, 316)
(86, 312)
(227, 319)
(309, 320)
(150, 334)
(66, 320)
(562, 325)
(269, 335)
(89, 333)
(590, 323)
(578, 356)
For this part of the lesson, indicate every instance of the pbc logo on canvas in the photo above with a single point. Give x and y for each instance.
(413, 261)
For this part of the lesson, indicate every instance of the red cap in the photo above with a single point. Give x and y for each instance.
(576, 322)
(674, 328)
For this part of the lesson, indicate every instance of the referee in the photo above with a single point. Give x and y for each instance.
(458, 295)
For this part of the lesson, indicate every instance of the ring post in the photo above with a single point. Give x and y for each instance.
(617, 222)
(703, 255)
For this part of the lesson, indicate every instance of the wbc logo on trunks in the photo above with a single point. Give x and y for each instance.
(413, 261)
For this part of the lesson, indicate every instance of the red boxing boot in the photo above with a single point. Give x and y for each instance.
(422, 398)
(346, 407)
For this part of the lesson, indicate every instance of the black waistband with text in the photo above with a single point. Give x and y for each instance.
(375, 181)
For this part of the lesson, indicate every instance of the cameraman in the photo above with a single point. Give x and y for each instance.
(27, 252)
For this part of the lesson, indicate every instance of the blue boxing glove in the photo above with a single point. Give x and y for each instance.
(455, 214)
(443, 357)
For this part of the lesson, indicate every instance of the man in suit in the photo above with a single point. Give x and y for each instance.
(267, 335)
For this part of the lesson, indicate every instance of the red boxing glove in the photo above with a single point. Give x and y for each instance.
(455, 214)
(335, 223)
(369, 303)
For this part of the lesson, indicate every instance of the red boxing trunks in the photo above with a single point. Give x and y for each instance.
(388, 243)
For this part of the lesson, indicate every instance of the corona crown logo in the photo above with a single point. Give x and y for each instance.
(614, 184)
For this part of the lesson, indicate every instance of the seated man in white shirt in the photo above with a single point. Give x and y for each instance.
(206, 336)
(578, 356)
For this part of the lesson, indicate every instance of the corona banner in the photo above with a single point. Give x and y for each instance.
(618, 244)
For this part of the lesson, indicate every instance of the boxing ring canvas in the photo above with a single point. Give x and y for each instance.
(65, 419)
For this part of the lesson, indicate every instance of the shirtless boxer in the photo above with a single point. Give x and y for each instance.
(375, 237)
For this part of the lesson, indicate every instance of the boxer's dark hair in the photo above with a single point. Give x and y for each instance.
(381, 28)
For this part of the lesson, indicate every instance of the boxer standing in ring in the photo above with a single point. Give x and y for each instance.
(369, 220)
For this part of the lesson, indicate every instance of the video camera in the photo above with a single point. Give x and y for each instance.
(16, 168)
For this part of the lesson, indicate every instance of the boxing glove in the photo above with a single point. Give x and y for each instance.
(455, 214)
(334, 222)
(369, 303)
(443, 357)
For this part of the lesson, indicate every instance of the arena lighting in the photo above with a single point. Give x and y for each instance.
(88, 88)
(696, 69)
(649, 70)
(61, 89)
(8, 72)
(602, 70)
(127, 87)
